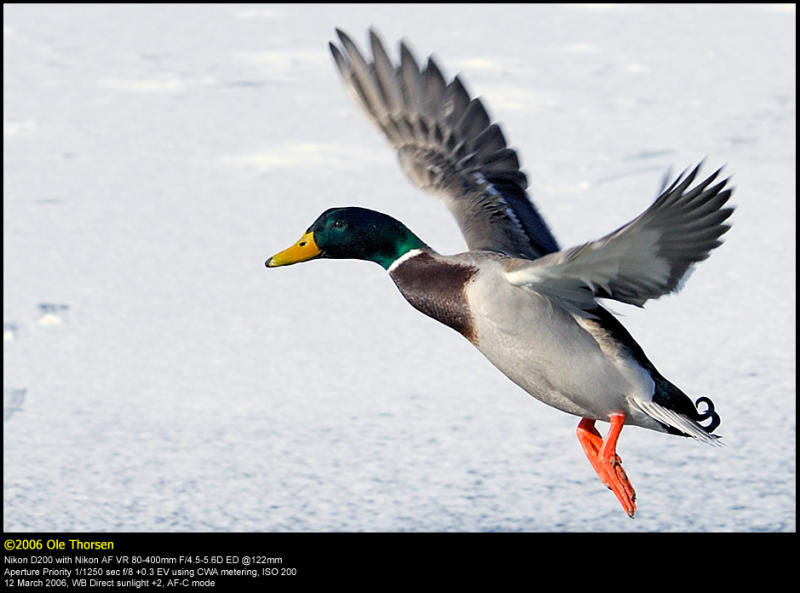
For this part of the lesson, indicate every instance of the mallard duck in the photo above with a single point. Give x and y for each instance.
(529, 306)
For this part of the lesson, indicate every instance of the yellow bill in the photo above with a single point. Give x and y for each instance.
(305, 249)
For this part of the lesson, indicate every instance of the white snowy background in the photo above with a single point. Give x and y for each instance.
(158, 378)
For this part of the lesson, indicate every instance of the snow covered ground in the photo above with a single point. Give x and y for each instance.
(158, 378)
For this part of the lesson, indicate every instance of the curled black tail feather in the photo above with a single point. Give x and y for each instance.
(708, 413)
(672, 398)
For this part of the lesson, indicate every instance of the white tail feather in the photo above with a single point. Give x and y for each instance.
(677, 421)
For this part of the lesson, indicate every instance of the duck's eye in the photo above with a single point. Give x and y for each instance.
(339, 224)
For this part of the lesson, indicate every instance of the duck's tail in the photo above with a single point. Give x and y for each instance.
(673, 408)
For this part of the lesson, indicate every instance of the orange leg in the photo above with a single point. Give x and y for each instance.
(605, 461)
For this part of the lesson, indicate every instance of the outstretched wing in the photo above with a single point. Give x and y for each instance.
(447, 145)
(644, 259)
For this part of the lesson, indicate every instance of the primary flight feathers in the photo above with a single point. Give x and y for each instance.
(642, 260)
(447, 145)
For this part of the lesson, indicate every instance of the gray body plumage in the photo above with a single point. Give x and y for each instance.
(528, 306)
(568, 361)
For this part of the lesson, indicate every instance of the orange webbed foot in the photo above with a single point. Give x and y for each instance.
(605, 461)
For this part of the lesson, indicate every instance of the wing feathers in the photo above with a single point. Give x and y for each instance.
(455, 102)
(489, 141)
(447, 144)
(642, 260)
(385, 77)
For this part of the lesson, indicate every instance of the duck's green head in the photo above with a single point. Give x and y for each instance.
(351, 233)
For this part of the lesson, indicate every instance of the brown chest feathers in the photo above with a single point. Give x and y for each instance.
(438, 289)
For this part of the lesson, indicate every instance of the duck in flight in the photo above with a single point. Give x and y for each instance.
(528, 305)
